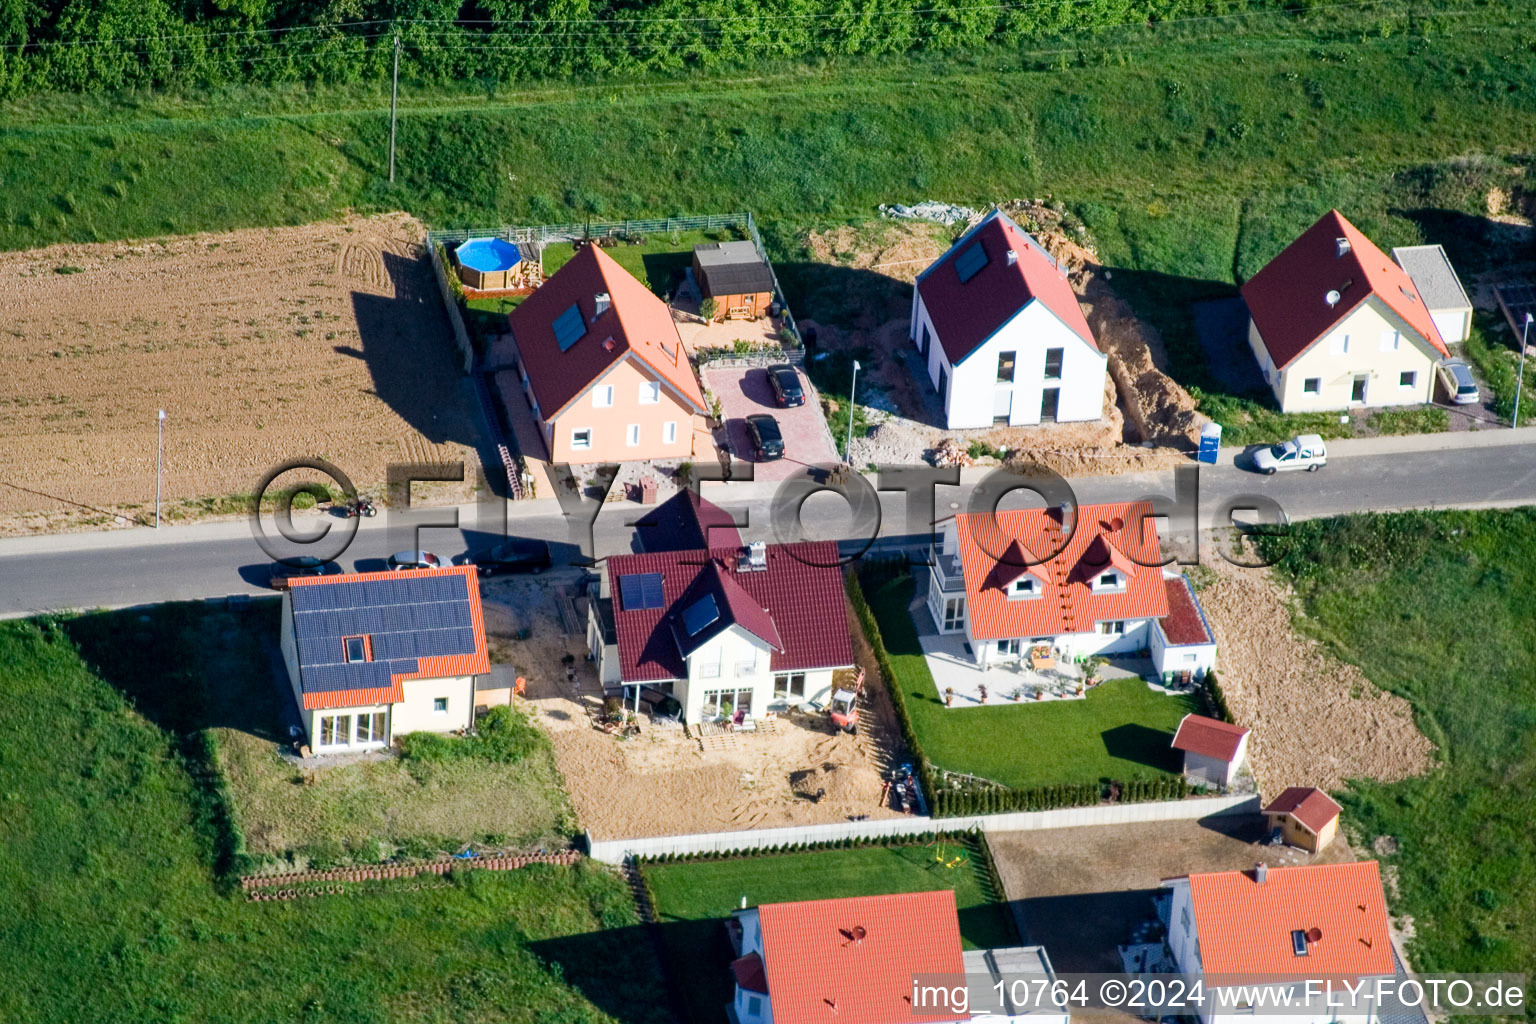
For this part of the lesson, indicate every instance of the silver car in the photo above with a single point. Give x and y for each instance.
(1459, 385)
(1304, 451)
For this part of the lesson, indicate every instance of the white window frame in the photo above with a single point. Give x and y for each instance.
(602, 396)
(747, 663)
(377, 730)
(1111, 627)
(1412, 380)
(786, 684)
(650, 392)
(632, 435)
(1312, 385)
(1025, 586)
(707, 662)
(1338, 345)
(335, 725)
(1116, 581)
(579, 445)
(439, 705)
(669, 432)
(1010, 648)
(1391, 340)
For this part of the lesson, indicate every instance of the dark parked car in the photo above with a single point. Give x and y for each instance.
(304, 565)
(767, 439)
(786, 385)
(519, 554)
(414, 560)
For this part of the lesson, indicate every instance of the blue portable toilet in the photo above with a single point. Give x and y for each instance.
(1210, 443)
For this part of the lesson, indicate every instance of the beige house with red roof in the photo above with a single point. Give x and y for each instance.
(1001, 335)
(1336, 324)
(1085, 583)
(602, 367)
(1286, 924)
(372, 656)
(854, 961)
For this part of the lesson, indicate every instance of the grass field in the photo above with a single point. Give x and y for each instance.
(656, 263)
(116, 838)
(1120, 730)
(221, 680)
(693, 899)
(1437, 607)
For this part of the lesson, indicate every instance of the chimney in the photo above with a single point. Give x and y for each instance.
(1260, 872)
(1064, 513)
(1343, 246)
(753, 557)
(600, 304)
(1013, 257)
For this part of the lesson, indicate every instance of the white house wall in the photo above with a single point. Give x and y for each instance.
(733, 647)
(1171, 659)
(973, 384)
(1360, 333)
(1071, 645)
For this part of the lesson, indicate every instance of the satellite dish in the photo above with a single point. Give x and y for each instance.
(1315, 935)
(1333, 298)
(859, 933)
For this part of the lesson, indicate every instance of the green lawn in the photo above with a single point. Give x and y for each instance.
(1120, 730)
(1437, 607)
(657, 262)
(693, 898)
(116, 909)
(1495, 351)
(222, 682)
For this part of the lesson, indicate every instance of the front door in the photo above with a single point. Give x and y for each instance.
(1357, 390)
(1050, 398)
(944, 388)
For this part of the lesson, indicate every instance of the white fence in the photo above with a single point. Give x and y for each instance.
(615, 851)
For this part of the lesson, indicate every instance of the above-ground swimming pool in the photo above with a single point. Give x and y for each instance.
(487, 263)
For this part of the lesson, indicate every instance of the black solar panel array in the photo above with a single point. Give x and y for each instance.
(641, 590)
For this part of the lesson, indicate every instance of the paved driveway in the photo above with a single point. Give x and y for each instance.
(745, 392)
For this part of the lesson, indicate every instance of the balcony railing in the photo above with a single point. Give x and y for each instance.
(946, 570)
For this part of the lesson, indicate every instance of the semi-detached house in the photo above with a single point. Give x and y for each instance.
(1001, 336)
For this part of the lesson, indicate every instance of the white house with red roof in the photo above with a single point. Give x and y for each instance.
(372, 656)
(731, 632)
(1001, 335)
(1083, 582)
(854, 961)
(1215, 752)
(598, 360)
(1282, 923)
(1336, 324)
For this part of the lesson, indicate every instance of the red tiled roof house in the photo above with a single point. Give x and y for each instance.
(1084, 581)
(1287, 924)
(1336, 324)
(729, 631)
(1001, 335)
(372, 656)
(1305, 817)
(1215, 752)
(599, 362)
(853, 961)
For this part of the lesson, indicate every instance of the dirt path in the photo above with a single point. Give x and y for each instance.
(262, 345)
(1316, 721)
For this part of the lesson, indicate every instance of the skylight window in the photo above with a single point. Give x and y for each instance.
(569, 327)
(1299, 942)
(355, 648)
(640, 591)
(700, 614)
(969, 263)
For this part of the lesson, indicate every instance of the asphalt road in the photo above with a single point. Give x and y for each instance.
(142, 566)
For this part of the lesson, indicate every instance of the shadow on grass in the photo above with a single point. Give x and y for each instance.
(1141, 744)
(615, 969)
(1166, 301)
(1473, 244)
(844, 297)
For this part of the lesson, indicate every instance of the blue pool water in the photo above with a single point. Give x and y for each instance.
(488, 255)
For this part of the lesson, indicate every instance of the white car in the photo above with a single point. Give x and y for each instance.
(1458, 382)
(1304, 451)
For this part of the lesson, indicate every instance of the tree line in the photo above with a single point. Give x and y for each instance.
(108, 45)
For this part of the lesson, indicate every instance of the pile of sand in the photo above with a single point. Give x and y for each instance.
(1316, 721)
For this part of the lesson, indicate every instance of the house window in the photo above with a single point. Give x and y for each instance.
(355, 648)
(1338, 345)
(923, 347)
(1115, 628)
(708, 663)
(1024, 586)
(1408, 378)
(669, 432)
(1390, 340)
(725, 703)
(650, 392)
(602, 396)
(581, 440)
(440, 705)
(1010, 647)
(747, 663)
(1184, 917)
(1053, 358)
(1005, 361)
(1312, 386)
(754, 1006)
(334, 730)
(954, 613)
(1109, 581)
(370, 728)
(789, 684)
(632, 435)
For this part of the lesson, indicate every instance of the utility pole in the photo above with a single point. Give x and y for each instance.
(159, 461)
(1525, 335)
(394, 103)
(852, 387)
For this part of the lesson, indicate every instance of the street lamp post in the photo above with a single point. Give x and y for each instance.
(1525, 333)
(852, 386)
(159, 461)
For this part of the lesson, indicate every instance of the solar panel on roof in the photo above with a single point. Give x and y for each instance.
(700, 614)
(569, 327)
(640, 591)
(969, 263)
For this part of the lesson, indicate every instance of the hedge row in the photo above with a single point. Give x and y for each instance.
(915, 839)
(1211, 687)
